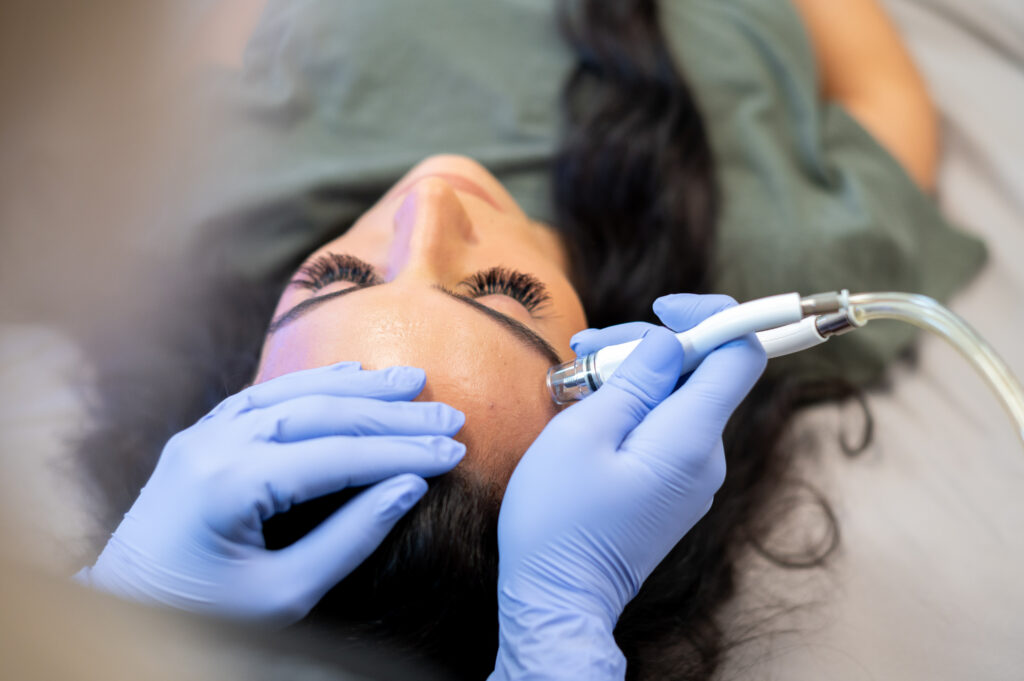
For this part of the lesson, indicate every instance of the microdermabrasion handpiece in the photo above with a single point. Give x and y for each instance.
(789, 323)
(778, 321)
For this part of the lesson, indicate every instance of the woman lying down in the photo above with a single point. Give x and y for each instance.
(383, 457)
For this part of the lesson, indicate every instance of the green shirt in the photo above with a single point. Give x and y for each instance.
(337, 100)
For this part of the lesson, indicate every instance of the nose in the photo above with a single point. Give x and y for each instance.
(432, 233)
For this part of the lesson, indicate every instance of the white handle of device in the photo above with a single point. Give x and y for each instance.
(729, 324)
(791, 338)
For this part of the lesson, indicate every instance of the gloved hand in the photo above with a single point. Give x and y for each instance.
(193, 539)
(607, 489)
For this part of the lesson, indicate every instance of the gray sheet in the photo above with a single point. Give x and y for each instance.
(927, 583)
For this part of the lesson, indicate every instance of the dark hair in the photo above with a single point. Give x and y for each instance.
(636, 201)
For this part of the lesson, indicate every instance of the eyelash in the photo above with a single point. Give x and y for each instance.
(522, 287)
(331, 267)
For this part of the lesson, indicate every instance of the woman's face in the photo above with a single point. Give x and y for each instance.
(448, 274)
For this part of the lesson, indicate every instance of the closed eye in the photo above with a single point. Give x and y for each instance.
(329, 268)
(522, 287)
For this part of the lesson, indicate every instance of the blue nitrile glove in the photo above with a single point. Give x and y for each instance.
(607, 489)
(193, 540)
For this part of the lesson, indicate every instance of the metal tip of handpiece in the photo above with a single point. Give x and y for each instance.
(572, 380)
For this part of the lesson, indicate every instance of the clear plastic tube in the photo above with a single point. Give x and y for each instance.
(926, 313)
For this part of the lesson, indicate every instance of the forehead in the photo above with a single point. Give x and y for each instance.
(471, 362)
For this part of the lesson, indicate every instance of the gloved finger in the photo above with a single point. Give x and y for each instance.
(697, 413)
(710, 476)
(393, 383)
(708, 479)
(644, 379)
(589, 340)
(313, 416)
(682, 311)
(707, 509)
(300, 471)
(339, 544)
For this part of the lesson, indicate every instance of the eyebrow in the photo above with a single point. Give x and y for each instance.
(522, 332)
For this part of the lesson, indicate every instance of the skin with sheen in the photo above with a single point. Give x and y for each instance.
(445, 221)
